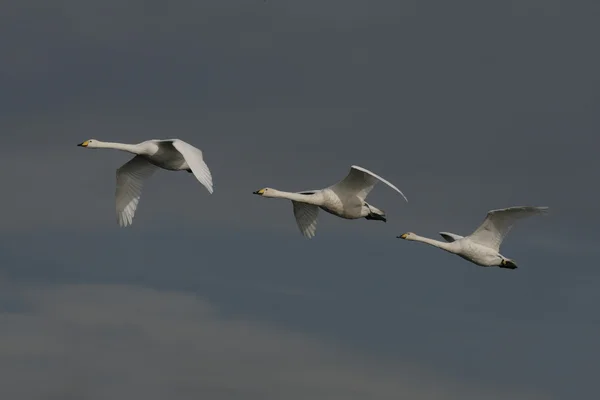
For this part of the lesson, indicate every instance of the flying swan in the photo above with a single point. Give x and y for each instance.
(170, 154)
(346, 199)
(482, 247)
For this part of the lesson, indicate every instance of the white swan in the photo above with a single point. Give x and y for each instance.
(170, 154)
(482, 246)
(346, 199)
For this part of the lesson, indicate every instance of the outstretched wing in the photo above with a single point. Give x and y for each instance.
(498, 223)
(193, 156)
(130, 180)
(359, 182)
(306, 218)
(450, 237)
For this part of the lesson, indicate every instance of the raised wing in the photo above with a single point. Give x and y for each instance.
(193, 156)
(360, 182)
(306, 218)
(498, 223)
(450, 237)
(130, 180)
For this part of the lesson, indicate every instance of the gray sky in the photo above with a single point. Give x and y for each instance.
(466, 106)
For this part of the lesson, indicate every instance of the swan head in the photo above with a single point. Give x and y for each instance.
(407, 236)
(266, 192)
(91, 143)
(508, 263)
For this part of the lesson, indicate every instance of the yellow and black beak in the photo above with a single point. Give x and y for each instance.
(259, 192)
(403, 236)
(84, 144)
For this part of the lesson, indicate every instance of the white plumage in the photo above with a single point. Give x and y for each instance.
(482, 247)
(345, 199)
(169, 154)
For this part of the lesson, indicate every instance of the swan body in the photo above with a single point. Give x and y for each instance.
(345, 199)
(169, 154)
(482, 247)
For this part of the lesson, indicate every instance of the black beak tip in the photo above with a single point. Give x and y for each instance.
(80, 145)
(255, 192)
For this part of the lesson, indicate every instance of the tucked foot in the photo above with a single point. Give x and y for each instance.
(508, 264)
(376, 217)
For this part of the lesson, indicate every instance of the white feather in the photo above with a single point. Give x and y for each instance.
(171, 154)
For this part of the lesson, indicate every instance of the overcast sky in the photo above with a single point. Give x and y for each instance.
(466, 106)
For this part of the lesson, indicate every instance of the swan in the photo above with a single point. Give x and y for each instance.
(482, 247)
(169, 154)
(346, 199)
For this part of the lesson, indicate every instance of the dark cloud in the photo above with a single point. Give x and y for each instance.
(384, 298)
(106, 341)
(466, 106)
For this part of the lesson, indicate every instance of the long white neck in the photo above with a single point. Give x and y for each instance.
(451, 247)
(130, 148)
(315, 199)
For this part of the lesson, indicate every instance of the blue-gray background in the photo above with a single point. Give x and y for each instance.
(465, 105)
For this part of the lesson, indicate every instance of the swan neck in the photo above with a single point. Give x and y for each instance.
(130, 148)
(302, 198)
(435, 243)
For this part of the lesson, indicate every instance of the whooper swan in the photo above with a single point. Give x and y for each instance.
(170, 154)
(482, 247)
(346, 199)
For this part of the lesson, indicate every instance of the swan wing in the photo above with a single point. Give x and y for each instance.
(359, 182)
(306, 218)
(193, 156)
(450, 237)
(130, 179)
(498, 223)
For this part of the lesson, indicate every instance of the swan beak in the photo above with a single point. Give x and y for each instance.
(259, 192)
(403, 236)
(84, 144)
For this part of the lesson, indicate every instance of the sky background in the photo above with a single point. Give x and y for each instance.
(466, 106)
